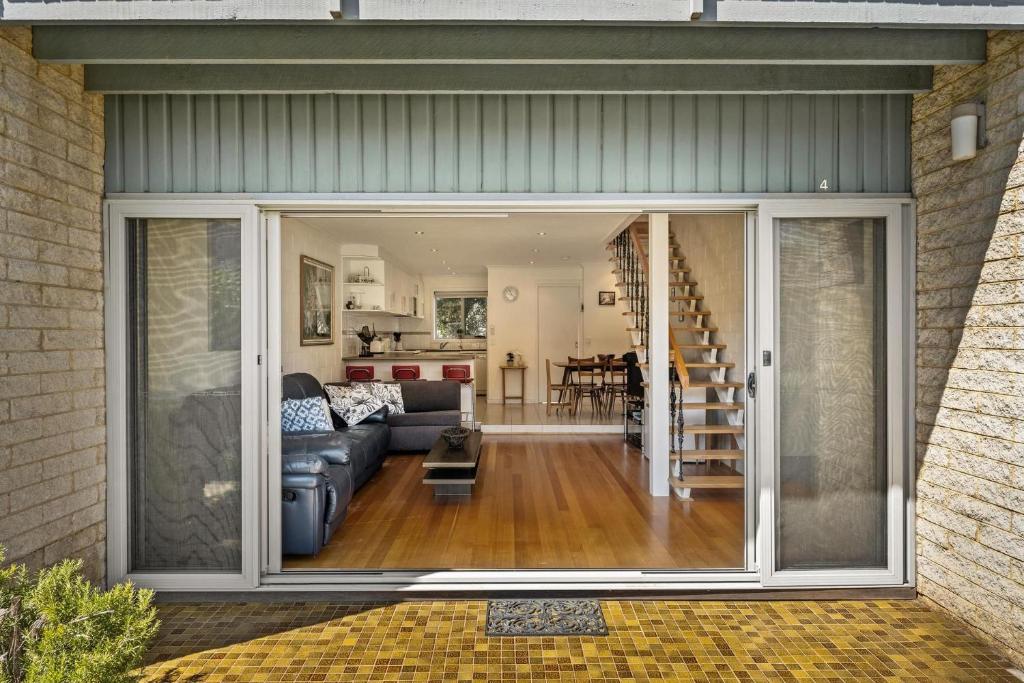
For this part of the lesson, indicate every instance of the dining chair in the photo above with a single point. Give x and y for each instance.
(616, 384)
(605, 359)
(586, 373)
(565, 392)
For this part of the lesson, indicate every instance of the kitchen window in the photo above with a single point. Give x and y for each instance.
(460, 315)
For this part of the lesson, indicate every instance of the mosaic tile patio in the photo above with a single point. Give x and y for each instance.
(647, 641)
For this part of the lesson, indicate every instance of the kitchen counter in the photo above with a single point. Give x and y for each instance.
(431, 365)
(415, 355)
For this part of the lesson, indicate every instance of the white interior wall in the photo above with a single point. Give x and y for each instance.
(713, 247)
(604, 327)
(513, 326)
(323, 361)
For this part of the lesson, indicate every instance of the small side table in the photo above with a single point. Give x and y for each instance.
(505, 398)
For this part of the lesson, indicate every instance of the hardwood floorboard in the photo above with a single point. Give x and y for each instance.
(541, 502)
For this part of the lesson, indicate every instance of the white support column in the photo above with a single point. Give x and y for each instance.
(658, 354)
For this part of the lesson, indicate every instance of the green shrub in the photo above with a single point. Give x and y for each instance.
(56, 627)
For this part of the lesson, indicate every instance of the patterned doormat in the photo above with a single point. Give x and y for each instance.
(545, 618)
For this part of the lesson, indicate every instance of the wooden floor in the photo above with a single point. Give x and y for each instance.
(541, 502)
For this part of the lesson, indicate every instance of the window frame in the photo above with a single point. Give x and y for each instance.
(462, 296)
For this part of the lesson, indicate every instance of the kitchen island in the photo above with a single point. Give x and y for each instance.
(430, 363)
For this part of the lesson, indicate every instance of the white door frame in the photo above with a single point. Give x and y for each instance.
(899, 356)
(266, 527)
(117, 372)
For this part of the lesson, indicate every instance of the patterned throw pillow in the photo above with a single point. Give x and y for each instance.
(390, 395)
(306, 415)
(353, 403)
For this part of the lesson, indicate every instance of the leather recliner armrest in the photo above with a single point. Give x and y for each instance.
(302, 463)
(334, 447)
(302, 481)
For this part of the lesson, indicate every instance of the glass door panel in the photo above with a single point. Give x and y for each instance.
(184, 409)
(830, 391)
(183, 395)
(831, 374)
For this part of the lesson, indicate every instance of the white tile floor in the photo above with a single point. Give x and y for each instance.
(532, 418)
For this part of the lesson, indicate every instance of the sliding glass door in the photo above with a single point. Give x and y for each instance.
(185, 444)
(831, 392)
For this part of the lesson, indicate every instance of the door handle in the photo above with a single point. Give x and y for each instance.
(752, 384)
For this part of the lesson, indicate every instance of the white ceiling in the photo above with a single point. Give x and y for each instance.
(468, 245)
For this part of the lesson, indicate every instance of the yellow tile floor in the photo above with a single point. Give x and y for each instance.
(647, 641)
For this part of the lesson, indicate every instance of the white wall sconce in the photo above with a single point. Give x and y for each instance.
(967, 126)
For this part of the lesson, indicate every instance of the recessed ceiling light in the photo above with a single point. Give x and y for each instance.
(532, 262)
(541, 234)
(453, 273)
(443, 262)
(536, 251)
(418, 232)
(433, 251)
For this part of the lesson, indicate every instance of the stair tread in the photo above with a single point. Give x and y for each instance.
(705, 384)
(712, 405)
(682, 283)
(690, 347)
(692, 314)
(711, 454)
(691, 328)
(712, 429)
(701, 364)
(708, 481)
(679, 270)
(687, 297)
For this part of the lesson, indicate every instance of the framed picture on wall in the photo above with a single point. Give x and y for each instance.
(316, 302)
(606, 298)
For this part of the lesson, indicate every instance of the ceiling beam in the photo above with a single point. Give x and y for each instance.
(454, 44)
(504, 78)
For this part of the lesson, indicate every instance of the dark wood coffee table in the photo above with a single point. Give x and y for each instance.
(453, 472)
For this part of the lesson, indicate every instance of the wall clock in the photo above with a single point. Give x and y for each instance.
(510, 293)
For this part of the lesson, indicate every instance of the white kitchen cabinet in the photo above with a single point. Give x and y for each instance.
(392, 291)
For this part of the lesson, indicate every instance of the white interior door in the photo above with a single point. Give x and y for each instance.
(183, 397)
(558, 330)
(832, 318)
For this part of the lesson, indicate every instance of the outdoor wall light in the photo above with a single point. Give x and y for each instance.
(967, 125)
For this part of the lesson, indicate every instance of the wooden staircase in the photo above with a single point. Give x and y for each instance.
(718, 441)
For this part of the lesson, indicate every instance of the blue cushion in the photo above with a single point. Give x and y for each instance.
(305, 415)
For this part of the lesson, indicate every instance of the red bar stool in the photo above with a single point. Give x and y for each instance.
(359, 373)
(405, 372)
(462, 375)
(457, 373)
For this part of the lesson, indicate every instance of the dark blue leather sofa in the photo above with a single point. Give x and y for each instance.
(321, 471)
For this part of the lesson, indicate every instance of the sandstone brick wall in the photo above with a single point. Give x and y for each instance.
(52, 434)
(970, 394)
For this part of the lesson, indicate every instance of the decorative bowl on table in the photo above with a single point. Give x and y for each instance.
(455, 436)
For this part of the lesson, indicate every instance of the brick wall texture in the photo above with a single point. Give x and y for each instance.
(52, 434)
(970, 357)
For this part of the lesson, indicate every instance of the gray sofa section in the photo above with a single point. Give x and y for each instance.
(430, 406)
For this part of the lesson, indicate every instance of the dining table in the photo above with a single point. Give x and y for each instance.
(567, 367)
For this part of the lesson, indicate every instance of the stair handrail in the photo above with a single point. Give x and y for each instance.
(680, 362)
(634, 234)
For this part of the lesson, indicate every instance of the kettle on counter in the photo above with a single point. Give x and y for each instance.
(377, 345)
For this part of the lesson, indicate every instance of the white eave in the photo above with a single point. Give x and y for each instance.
(33, 11)
(527, 10)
